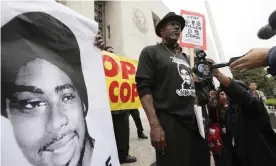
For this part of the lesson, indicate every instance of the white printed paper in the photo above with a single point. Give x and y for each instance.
(54, 102)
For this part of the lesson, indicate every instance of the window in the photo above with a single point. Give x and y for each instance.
(155, 19)
(99, 11)
(108, 31)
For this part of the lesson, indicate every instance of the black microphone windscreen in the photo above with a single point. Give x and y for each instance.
(197, 50)
(266, 32)
(272, 20)
(199, 53)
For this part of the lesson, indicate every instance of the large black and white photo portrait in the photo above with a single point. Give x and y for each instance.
(44, 94)
(44, 91)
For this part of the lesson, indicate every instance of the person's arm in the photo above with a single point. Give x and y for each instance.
(212, 108)
(145, 75)
(255, 58)
(234, 91)
(271, 57)
(99, 42)
(212, 102)
(145, 78)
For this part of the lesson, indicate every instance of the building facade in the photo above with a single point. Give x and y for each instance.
(129, 26)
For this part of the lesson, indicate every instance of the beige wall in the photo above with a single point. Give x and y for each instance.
(132, 40)
(114, 20)
(85, 8)
(125, 38)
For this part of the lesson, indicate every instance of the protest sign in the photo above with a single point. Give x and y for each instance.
(120, 79)
(194, 33)
(54, 105)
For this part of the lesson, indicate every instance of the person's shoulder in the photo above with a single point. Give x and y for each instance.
(185, 55)
(259, 91)
(151, 47)
(149, 50)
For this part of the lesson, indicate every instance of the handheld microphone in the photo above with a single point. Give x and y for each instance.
(266, 32)
(200, 54)
(272, 20)
(269, 30)
(220, 65)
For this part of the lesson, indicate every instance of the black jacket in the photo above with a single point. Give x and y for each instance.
(255, 140)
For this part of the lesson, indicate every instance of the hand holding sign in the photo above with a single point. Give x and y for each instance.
(99, 42)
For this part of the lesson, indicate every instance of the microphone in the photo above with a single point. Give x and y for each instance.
(200, 54)
(269, 30)
(266, 32)
(272, 20)
(220, 65)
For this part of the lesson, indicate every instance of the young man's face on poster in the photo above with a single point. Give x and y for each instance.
(47, 115)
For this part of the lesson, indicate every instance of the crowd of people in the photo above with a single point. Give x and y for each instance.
(237, 125)
(238, 130)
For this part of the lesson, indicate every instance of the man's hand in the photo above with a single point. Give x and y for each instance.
(195, 78)
(99, 42)
(158, 140)
(255, 58)
(215, 72)
(212, 93)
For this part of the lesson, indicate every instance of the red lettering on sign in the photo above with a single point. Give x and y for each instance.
(113, 85)
(130, 89)
(127, 69)
(124, 97)
(134, 92)
(114, 69)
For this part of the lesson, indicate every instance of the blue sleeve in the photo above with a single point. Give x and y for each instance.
(271, 57)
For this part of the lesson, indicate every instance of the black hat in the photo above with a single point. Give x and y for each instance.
(169, 17)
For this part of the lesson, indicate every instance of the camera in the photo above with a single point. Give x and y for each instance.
(203, 69)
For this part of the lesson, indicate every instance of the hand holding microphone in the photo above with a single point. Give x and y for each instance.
(255, 58)
(205, 66)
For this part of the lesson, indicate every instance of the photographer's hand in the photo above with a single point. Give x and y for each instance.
(99, 42)
(255, 58)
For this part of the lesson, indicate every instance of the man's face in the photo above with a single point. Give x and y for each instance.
(184, 73)
(171, 30)
(252, 86)
(47, 115)
(222, 97)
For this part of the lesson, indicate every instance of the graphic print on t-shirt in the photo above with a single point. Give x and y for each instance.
(187, 88)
